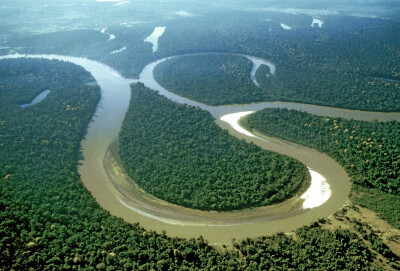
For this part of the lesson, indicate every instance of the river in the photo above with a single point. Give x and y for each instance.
(107, 183)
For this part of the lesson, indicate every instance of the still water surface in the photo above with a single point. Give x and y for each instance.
(37, 99)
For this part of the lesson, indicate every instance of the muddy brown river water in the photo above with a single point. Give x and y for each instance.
(104, 178)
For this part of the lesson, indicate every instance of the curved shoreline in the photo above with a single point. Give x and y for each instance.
(319, 190)
(146, 204)
(105, 127)
(147, 78)
(256, 61)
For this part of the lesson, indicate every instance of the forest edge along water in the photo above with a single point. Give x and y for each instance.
(120, 201)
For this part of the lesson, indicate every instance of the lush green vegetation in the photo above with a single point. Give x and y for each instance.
(369, 151)
(340, 88)
(20, 82)
(93, 44)
(282, 252)
(334, 65)
(370, 235)
(178, 153)
(49, 221)
(262, 74)
(380, 202)
(213, 79)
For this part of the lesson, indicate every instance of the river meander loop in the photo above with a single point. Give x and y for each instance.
(105, 179)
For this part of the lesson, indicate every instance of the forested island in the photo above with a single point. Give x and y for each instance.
(213, 79)
(177, 153)
(48, 219)
(369, 151)
(310, 66)
(217, 79)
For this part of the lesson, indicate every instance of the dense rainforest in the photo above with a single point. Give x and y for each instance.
(177, 153)
(49, 221)
(335, 65)
(217, 79)
(369, 151)
(212, 79)
(310, 68)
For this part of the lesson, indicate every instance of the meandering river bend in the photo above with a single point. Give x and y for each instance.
(102, 176)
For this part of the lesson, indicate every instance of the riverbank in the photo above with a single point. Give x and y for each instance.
(105, 127)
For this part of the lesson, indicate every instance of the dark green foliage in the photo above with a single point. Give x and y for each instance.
(340, 88)
(262, 74)
(350, 62)
(377, 244)
(369, 151)
(22, 80)
(212, 79)
(177, 153)
(313, 249)
(387, 205)
(37, 194)
(93, 44)
(48, 220)
(337, 65)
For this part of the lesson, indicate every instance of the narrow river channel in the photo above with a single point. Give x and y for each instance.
(103, 177)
